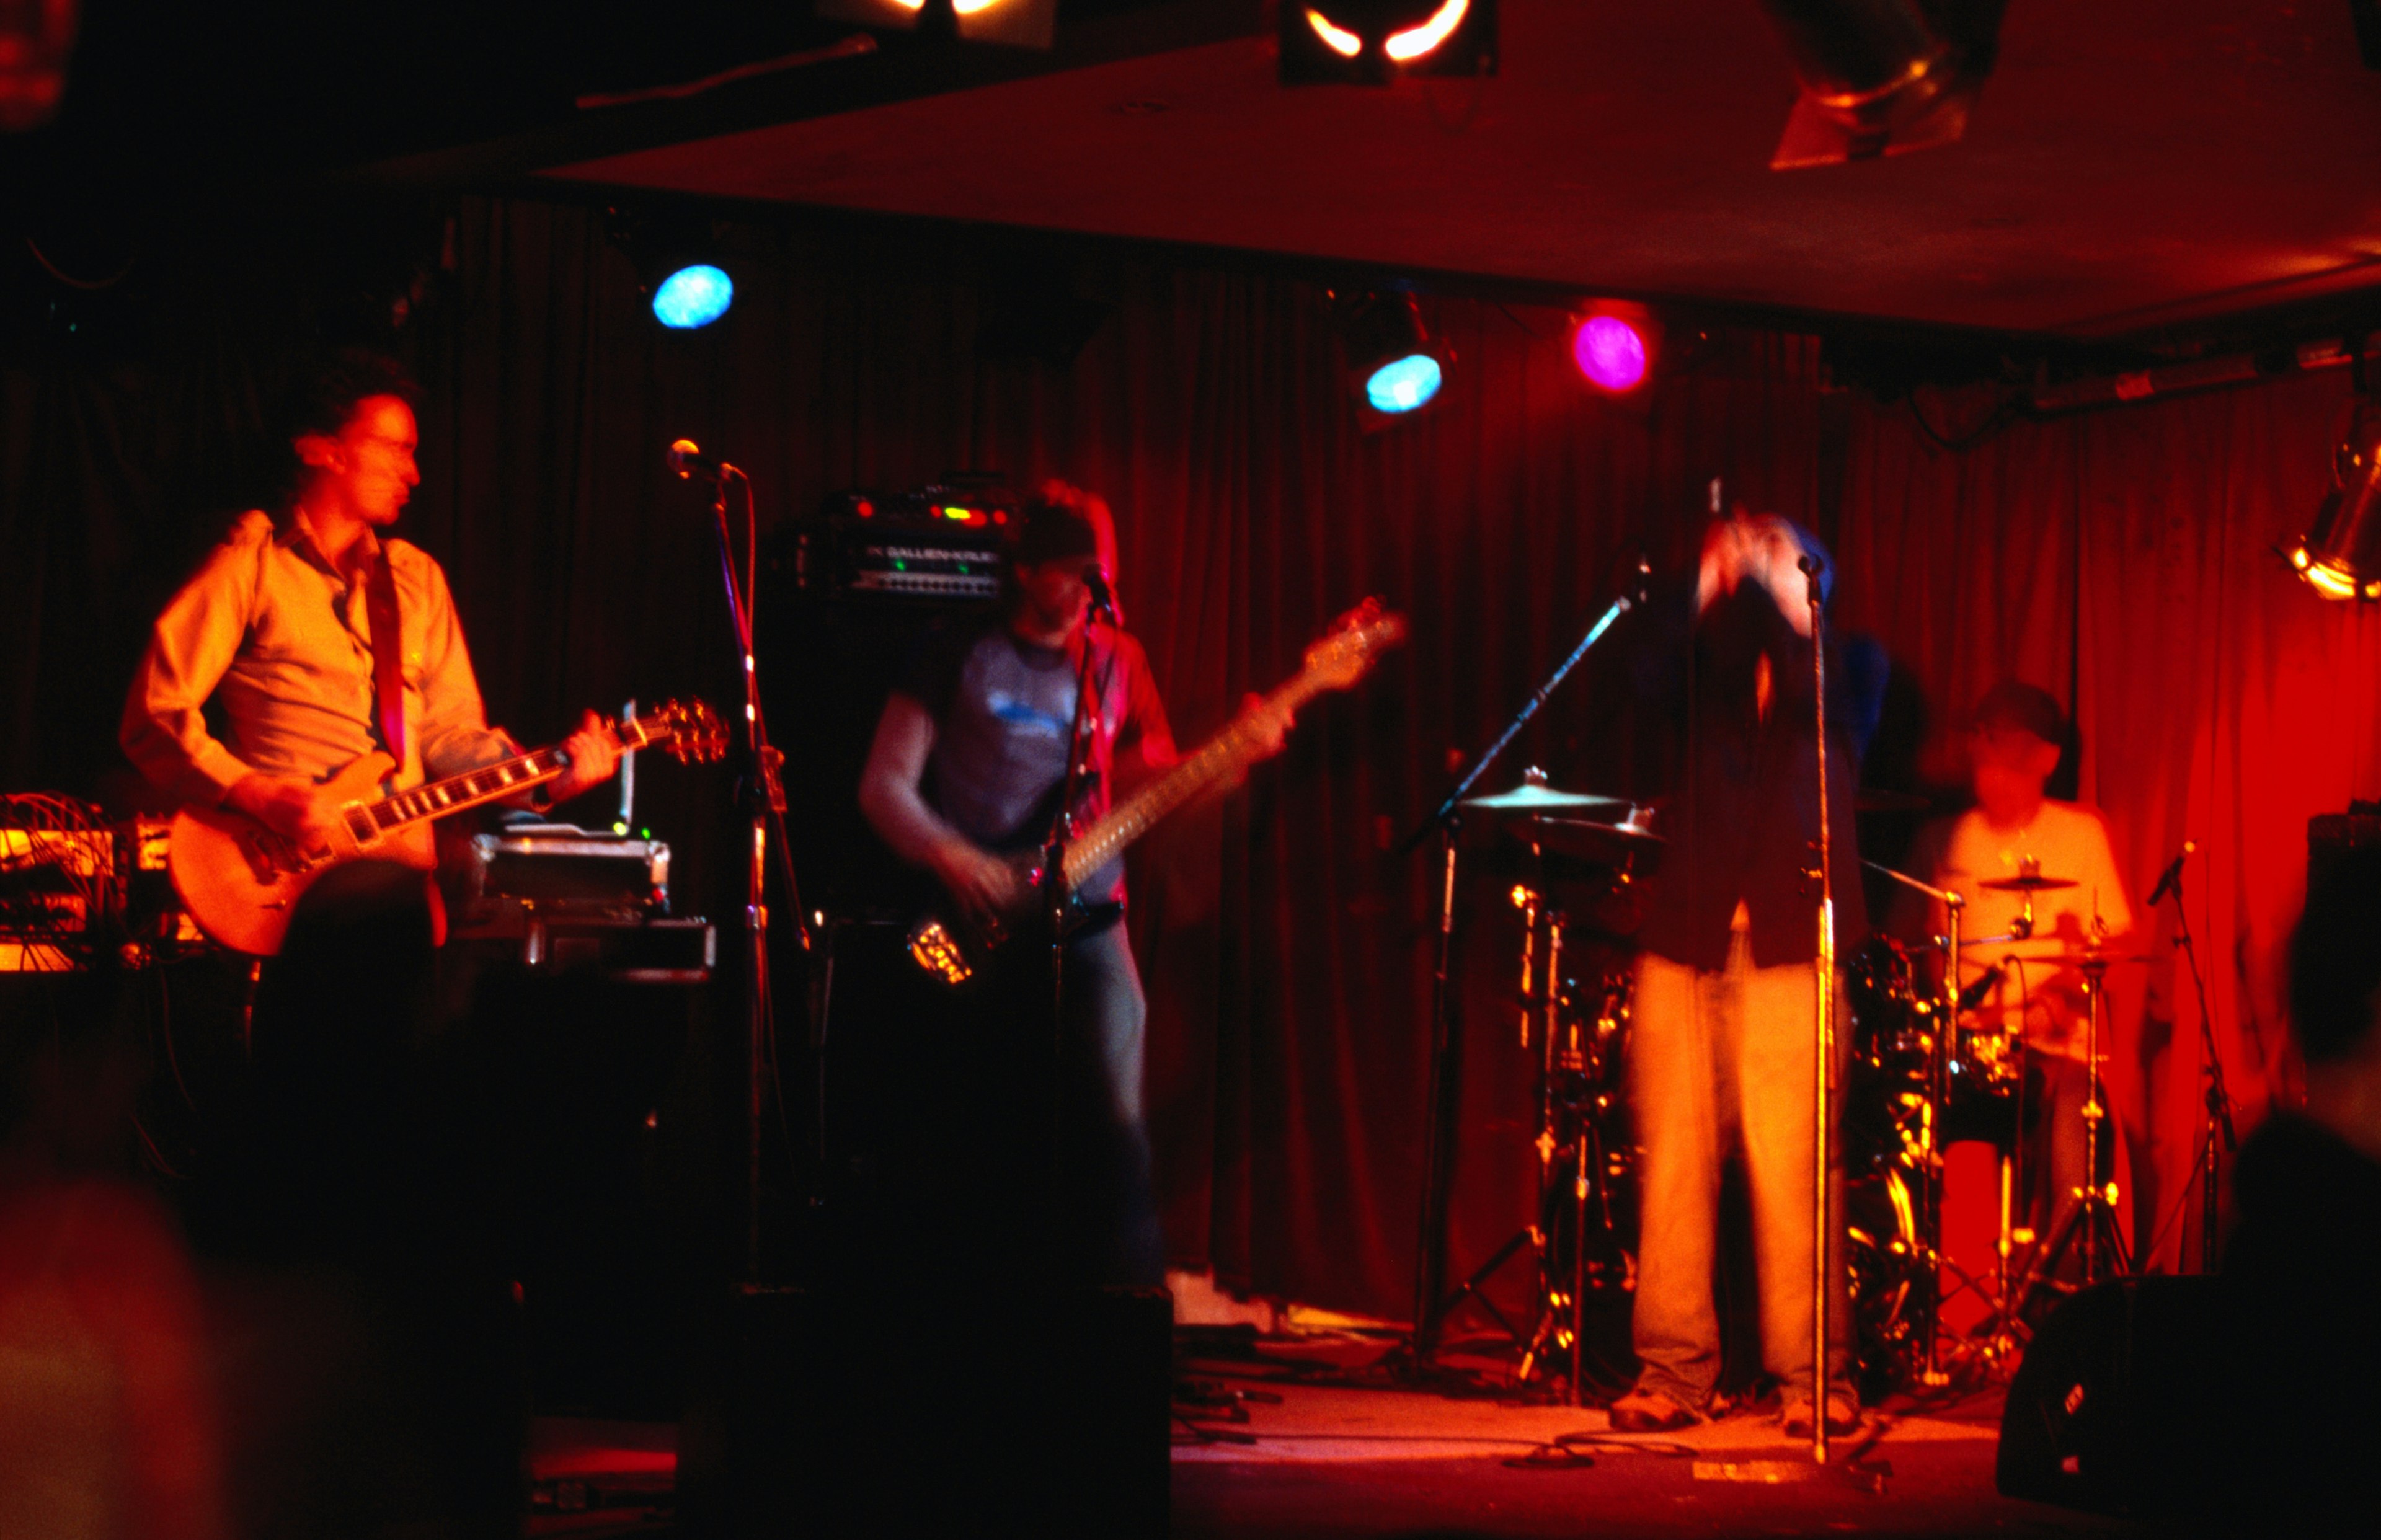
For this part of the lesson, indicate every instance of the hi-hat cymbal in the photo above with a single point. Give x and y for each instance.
(1531, 799)
(2033, 883)
(1581, 836)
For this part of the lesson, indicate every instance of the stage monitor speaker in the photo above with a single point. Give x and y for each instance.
(2109, 1410)
(969, 1411)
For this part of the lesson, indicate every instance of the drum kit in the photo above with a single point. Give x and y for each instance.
(1927, 1064)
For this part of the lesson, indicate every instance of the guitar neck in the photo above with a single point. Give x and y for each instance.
(473, 788)
(1221, 757)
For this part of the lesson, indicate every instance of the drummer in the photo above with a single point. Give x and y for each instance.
(2014, 743)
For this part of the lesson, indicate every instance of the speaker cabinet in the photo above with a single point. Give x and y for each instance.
(984, 1411)
(2109, 1411)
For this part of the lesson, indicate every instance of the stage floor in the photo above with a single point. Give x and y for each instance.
(1329, 1446)
(1337, 1460)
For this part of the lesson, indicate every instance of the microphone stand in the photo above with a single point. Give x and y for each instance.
(1824, 965)
(2219, 1100)
(763, 799)
(1438, 1151)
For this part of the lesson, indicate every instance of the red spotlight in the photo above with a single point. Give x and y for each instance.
(1613, 346)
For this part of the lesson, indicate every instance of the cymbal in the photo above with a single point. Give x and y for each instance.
(1868, 801)
(2025, 885)
(1579, 834)
(2086, 956)
(1531, 799)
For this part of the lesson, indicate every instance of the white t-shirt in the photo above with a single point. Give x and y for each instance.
(2071, 842)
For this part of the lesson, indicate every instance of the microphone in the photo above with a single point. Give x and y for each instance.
(2170, 880)
(1103, 597)
(1973, 996)
(688, 459)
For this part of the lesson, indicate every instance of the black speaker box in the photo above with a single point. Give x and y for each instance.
(973, 1411)
(2110, 1408)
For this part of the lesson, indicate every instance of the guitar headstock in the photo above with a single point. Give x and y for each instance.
(692, 731)
(1347, 652)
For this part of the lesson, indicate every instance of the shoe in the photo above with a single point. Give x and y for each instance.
(1843, 1416)
(1650, 1411)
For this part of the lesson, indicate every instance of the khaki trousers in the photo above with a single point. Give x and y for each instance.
(1720, 1063)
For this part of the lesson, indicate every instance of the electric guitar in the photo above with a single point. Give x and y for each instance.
(241, 881)
(954, 950)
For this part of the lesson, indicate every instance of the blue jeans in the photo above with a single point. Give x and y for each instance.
(1720, 1063)
(1106, 1208)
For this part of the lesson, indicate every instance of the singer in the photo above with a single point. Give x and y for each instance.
(970, 758)
(1723, 1049)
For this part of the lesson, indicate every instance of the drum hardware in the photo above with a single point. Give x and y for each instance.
(2088, 1224)
(1940, 1062)
(1577, 1026)
(1438, 1166)
(2028, 882)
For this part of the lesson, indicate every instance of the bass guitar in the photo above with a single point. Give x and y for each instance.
(954, 950)
(241, 881)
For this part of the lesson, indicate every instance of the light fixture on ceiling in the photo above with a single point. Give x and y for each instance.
(1017, 23)
(2340, 556)
(1881, 76)
(1614, 343)
(1373, 42)
(1394, 367)
(682, 274)
(694, 296)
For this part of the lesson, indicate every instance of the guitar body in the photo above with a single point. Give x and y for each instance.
(241, 882)
(956, 952)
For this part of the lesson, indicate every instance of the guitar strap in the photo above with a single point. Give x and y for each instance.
(388, 653)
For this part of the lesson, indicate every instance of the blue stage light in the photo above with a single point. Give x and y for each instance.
(694, 295)
(1404, 385)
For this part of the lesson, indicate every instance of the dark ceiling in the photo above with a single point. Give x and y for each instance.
(2132, 165)
(2151, 173)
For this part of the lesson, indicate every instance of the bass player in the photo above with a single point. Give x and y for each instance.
(970, 760)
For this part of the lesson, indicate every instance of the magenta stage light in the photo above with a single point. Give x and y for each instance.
(1610, 352)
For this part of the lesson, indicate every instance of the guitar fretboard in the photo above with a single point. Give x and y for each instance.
(485, 785)
(1219, 757)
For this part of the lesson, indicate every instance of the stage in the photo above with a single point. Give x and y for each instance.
(1311, 1436)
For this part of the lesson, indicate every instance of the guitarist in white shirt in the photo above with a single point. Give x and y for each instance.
(969, 759)
(348, 1156)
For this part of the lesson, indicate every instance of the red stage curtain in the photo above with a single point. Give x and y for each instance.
(2120, 560)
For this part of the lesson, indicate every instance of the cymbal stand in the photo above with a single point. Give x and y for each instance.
(1438, 1136)
(2089, 1223)
(1534, 997)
